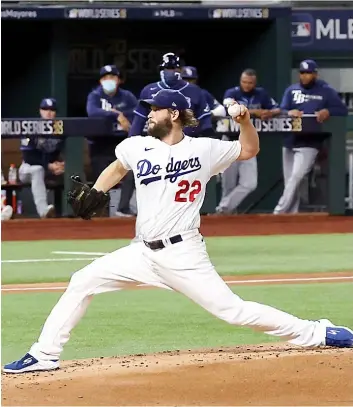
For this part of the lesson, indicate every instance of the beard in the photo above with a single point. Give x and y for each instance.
(160, 130)
(308, 85)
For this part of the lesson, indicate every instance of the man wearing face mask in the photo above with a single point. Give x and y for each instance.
(240, 179)
(40, 157)
(309, 96)
(170, 78)
(109, 100)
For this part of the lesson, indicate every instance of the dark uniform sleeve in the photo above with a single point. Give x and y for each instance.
(286, 103)
(268, 102)
(131, 104)
(140, 115)
(334, 104)
(203, 112)
(94, 107)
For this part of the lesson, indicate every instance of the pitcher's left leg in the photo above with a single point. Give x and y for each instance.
(192, 274)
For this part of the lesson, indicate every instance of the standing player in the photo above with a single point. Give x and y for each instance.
(310, 95)
(240, 179)
(170, 78)
(108, 99)
(171, 171)
(190, 74)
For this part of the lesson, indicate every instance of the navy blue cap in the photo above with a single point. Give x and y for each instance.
(169, 61)
(189, 72)
(308, 66)
(109, 70)
(48, 104)
(167, 99)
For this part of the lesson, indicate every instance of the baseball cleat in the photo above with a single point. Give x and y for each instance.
(30, 364)
(339, 336)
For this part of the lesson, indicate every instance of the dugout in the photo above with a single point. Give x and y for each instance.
(61, 58)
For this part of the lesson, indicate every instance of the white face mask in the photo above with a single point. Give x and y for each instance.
(109, 85)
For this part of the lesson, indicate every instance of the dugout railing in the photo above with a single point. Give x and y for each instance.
(73, 131)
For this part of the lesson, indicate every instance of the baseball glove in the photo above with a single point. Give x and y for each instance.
(86, 202)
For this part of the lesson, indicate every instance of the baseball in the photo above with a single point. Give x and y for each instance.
(234, 110)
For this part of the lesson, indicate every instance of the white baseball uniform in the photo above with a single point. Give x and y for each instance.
(170, 189)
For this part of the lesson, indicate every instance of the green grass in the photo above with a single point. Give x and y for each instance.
(16, 273)
(231, 256)
(131, 322)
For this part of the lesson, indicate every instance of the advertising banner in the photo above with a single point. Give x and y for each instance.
(322, 30)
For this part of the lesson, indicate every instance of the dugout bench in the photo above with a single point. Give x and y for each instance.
(21, 192)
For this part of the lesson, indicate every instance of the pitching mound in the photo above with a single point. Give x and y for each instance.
(246, 375)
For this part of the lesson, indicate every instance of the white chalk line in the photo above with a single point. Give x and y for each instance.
(231, 282)
(35, 289)
(280, 280)
(49, 260)
(59, 259)
(82, 253)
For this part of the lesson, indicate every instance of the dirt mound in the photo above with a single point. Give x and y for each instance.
(245, 375)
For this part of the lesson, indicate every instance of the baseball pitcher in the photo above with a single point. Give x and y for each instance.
(171, 171)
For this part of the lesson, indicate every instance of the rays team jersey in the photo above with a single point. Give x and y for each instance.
(193, 94)
(171, 180)
(256, 99)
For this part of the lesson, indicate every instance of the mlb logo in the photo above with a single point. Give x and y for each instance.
(217, 13)
(73, 13)
(301, 29)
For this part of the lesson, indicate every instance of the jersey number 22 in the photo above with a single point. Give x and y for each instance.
(187, 192)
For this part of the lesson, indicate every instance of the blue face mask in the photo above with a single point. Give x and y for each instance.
(170, 78)
(109, 85)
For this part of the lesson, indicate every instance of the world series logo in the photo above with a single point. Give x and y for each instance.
(32, 127)
(280, 124)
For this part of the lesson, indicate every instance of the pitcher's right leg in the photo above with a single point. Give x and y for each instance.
(103, 275)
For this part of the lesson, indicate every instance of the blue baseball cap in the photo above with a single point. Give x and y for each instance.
(167, 99)
(48, 104)
(169, 61)
(189, 72)
(109, 70)
(308, 66)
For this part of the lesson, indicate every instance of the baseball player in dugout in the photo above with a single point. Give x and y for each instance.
(41, 157)
(171, 171)
(110, 100)
(190, 74)
(170, 78)
(240, 179)
(309, 96)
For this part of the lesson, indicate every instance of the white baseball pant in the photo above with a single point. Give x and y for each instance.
(183, 267)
